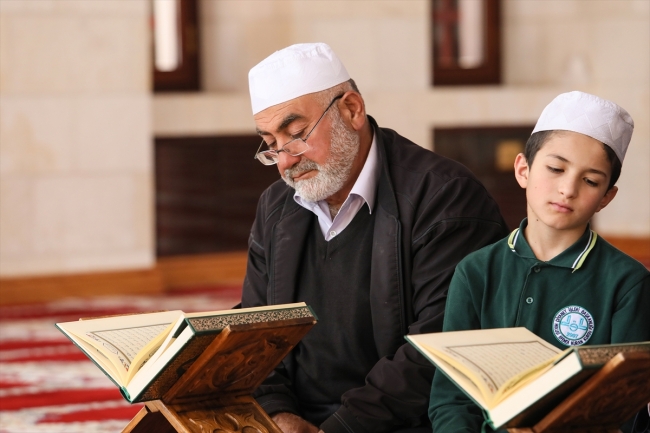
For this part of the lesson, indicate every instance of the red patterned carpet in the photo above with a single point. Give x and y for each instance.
(48, 385)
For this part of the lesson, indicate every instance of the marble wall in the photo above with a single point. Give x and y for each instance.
(75, 136)
(549, 47)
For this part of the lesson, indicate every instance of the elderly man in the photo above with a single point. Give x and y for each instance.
(366, 228)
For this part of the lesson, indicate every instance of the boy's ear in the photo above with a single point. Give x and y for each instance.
(607, 198)
(521, 170)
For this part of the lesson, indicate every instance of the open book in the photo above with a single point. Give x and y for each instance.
(145, 354)
(515, 376)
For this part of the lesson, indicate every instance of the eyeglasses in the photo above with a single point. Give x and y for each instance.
(295, 147)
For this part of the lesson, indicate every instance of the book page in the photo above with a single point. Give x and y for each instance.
(166, 344)
(464, 382)
(497, 363)
(151, 369)
(127, 345)
(100, 359)
(487, 357)
(129, 341)
(120, 338)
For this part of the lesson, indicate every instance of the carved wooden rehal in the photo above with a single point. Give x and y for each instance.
(214, 393)
(604, 402)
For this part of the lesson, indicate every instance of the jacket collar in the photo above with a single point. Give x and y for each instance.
(573, 257)
(385, 193)
(289, 234)
(387, 292)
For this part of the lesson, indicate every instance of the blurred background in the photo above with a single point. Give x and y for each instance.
(127, 140)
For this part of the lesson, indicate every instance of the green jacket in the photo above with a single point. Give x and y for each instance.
(591, 293)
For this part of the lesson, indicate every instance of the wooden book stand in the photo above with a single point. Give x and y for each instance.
(214, 394)
(604, 402)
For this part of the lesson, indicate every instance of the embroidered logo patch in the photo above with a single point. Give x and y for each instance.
(573, 325)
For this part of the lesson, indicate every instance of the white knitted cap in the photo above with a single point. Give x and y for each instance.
(292, 72)
(590, 115)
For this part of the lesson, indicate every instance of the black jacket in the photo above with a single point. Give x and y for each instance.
(430, 212)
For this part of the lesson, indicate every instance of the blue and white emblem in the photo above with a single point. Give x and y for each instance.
(573, 325)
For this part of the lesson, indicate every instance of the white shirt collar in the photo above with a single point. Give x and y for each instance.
(363, 191)
(366, 184)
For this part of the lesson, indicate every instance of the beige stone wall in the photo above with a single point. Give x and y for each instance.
(601, 47)
(550, 46)
(75, 136)
(76, 119)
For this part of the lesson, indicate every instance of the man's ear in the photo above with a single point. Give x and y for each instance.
(521, 170)
(353, 109)
(607, 198)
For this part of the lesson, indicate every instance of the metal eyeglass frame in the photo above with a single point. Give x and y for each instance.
(272, 156)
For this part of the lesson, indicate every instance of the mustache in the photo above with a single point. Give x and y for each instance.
(303, 166)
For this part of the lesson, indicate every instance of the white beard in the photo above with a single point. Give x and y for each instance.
(334, 173)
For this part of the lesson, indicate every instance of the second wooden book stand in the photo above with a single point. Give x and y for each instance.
(604, 402)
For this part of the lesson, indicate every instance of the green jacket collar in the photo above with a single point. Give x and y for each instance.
(573, 257)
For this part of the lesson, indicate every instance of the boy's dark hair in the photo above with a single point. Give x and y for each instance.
(537, 140)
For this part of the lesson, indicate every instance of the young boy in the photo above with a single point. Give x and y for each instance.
(553, 261)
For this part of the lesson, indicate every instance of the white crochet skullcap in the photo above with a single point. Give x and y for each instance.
(590, 115)
(292, 72)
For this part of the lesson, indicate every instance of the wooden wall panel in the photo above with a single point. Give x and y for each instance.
(481, 150)
(51, 287)
(178, 273)
(203, 270)
(174, 273)
(639, 248)
(207, 190)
